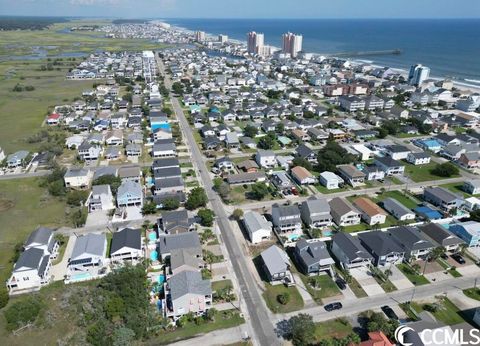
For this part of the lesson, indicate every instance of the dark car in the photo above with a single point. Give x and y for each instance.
(333, 306)
(389, 312)
(341, 284)
(444, 256)
(457, 257)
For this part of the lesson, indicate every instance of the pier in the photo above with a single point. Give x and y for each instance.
(366, 53)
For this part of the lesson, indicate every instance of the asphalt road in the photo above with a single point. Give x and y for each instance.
(259, 317)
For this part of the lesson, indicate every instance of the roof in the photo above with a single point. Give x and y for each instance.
(286, 210)
(181, 257)
(188, 282)
(255, 222)
(316, 206)
(398, 208)
(275, 259)
(31, 258)
(92, 244)
(40, 236)
(170, 242)
(410, 238)
(244, 177)
(350, 246)
(167, 162)
(471, 227)
(301, 172)
(312, 252)
(388, 161)
(127, 237)
(351, 171)
(440, 235)
(174, 219)
(442, 193)
(129, 186)
(341, 206)
(379, 243)
(168, 182)
(76, 172)
(368, 206)
(129, 171)
(303, 151)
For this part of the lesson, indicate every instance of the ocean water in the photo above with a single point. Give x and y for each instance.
(450, 47)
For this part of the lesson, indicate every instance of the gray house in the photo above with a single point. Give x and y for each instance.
(343, 213)
(89, 251)
(398, 210)
(130, 194)
(411, 240)
(186, 292)
(286, 218)
(175, 222)
(313, 257)
(382, 247)
(276, 265)
(349, 251)
(316, 213)
(439, 236)
(442, 198)
(168, 243)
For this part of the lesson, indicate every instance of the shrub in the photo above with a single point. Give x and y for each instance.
(283, 298)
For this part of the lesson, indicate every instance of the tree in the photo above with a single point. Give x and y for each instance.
(267, 142)
(210, 314)
(79, 217)
(170, 203)
(332, 155)
(250, 131)
(23, 312)
(237, 214)
(445, 170)
(475, 215)
(436, 253)
(301, 161)
(308, 114)
(196, 199)
(123, 337)
(301, 330)
(259, 190)
(382, 133)
(77, 198)
(149, 208)
(57, 188)
(109, 179)
(206, 217)
(177, 88)
(280, 128)
(224, 190)
(4, 297)
(416, 267)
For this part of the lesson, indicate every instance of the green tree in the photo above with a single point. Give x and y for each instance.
(382, 133)
(109, 179)
(77, 198)
(123, 337)
(114, 307)
(23, 311)
(250, 131)
(283, 298)
(57, 188)
(170, 203)
(445, 170)
(237, 214)
(267, 142)
(196, 199)
(206, 217)
(4, 297)
(259, 190)
(149, 208)
(301, 330)
(436, 253)
(475, 215)
(79, 217)
(300, 161)
(332, 155)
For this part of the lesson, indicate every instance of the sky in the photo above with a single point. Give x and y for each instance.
(245, 8)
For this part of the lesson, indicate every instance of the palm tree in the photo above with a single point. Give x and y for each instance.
(462, 249)
(387, 273)
(437, 252)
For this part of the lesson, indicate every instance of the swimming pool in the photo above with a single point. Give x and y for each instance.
(80, 277)
(154, 255)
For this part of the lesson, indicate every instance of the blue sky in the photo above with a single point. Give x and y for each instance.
(245, 8)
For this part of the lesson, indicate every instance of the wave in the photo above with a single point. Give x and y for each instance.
(472, 81)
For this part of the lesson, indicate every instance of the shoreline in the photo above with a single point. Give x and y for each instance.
(461, 83)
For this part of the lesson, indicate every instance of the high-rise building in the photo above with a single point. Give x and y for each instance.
(222, 39)
(292, 44)
(255, 42)
(418, 74)
(200, 36)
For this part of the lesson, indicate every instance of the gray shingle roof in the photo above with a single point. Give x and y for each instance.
(312, 252)
(409, 238)
(91, 243)
(440, 235)
(31, 258)
(350, 246)
(254, 221)
(379, 243)
(275, 259)
(188, 282)
(40, 236)
(170, 242)
(127, 237)
(399, 209)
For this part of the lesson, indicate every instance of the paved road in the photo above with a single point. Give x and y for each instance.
(454, 285)
(24, 175)
(259, 316)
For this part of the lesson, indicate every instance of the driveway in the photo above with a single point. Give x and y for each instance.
(97, 218)
(59, 270)
(469, 270)
(398, 279)
(368, 283)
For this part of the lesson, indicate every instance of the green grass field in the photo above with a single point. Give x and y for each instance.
(23, 207)
(325, 287)
(407, 201)
(457, 188)
(337, 328)
(271, 293)
(423, 172)
(22, 113)
(416, 279)
(473, 293)
(446, 312)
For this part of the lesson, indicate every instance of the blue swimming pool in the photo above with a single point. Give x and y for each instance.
(154, 255)
(80, 277)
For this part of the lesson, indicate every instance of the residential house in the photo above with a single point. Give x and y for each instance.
(170, 242)
(397, 209)
(185, 260)
(101, 198)
(373, 173)
(349, 251)
(440, 237)
(315, 213)
(224, 163)
(372, 214)
(313, 257)
(306, 153)
(175, 222)
(248, 166)
(89, 152)
(343, 213)
(130, 194)
(411, 240)
(397, 152)
(169, 186)
(130, 173)
(468, 231)
(382, 247)
(472, 186)
(351, 174)
(417, 159)
(257, 227)
(470, 160)
(89, 251)
(389, 166)
(330, 180)
(78, 178)
(164, 148)
(265, 158)
(246, 178)
(276, 265)
(286, 218)
(186, 292)
(30, 272)
(17, 159)
(127, 246)
(442, 198)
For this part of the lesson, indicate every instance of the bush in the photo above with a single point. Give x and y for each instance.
(206, 217)
(283, 298)
(23, 312)
(445, 170)
(3, 297)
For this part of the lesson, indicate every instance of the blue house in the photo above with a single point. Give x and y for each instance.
(468, 231)
(429, 144)
(159, 122)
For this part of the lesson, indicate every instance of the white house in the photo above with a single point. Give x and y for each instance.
(330, 180)
(89, 251)
(257, 226)
(127, 246)
(418, 158)
(101, 198)
(78, 178)
(265, 158)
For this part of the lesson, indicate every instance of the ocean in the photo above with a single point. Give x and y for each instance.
(450, 47)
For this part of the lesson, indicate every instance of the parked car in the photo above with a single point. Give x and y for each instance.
(444, 256)
(333, 306)
(457, 257)
(389, 312)
(341, 284)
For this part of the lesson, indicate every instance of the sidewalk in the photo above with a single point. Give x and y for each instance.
(307, 298)
(218, 337)
(59, 270)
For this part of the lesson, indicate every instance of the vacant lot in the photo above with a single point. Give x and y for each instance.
(271, 297)
(423, 172)
(24, 206)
